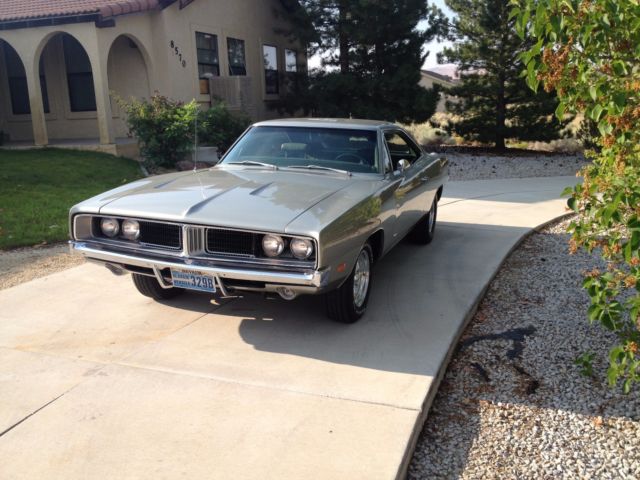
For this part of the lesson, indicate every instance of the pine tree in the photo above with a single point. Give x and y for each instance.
(492, 99)
(373, 53)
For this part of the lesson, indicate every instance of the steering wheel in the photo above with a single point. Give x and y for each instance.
(350, 157)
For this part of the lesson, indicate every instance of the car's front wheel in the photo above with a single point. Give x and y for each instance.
(348, 303)
(150, 287)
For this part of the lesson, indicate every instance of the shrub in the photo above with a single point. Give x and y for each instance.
(426, 134)
(563, 145)
(164, 128)
(218, 127)
(587, 52)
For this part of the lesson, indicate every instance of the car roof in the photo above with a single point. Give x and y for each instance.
(348, 123)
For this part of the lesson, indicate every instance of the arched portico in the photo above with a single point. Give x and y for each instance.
(63, 73)
(16, 103)
(70, 73)
(128, 75)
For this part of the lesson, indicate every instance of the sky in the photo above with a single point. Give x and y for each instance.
(435, 46)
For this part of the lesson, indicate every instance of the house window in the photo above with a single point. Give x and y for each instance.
(208, 62)
(82, 96)
(237, 58)
(271, 82)
(18, 83)
(290, 61)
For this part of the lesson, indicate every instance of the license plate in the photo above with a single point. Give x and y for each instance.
(193, 280)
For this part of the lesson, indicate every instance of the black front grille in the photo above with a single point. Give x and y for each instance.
(231, 242)
(161, 235)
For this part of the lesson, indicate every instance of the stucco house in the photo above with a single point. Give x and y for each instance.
(60, 61)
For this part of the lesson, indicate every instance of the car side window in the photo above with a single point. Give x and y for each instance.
(401, 147)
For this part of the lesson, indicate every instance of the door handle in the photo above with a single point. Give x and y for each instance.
(424, 179)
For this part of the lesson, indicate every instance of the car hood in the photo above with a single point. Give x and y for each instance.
(237, 198)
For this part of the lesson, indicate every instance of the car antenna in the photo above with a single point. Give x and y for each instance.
(195, 143)
(195, 153)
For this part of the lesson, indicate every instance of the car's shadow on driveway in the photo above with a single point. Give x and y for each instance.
(420, 302)
(416, 312)
(420, 298)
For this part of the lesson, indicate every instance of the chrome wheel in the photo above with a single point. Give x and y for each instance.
(361, 276)
(348, 302)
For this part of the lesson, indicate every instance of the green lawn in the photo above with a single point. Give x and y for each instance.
(37, 188)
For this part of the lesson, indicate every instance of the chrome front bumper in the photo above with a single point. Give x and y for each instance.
(300, 282)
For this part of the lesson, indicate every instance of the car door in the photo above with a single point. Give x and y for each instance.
(412, 195)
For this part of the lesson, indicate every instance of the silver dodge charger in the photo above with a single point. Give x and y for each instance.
(304, 206)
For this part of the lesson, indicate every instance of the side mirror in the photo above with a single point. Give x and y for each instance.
(403, 165)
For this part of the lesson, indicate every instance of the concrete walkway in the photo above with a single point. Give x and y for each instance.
(97, 381)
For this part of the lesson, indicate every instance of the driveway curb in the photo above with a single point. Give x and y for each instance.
(411, 445)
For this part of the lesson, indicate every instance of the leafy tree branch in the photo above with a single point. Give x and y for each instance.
(587, 51)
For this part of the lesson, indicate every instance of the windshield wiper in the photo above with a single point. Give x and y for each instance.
(256, 164)
(318, 167)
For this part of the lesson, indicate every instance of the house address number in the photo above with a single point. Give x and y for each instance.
(177, 52)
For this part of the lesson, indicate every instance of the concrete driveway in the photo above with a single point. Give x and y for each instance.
(97, 381)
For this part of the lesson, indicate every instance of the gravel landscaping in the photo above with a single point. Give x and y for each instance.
(512, 403)
(23, 264)
(482, 166)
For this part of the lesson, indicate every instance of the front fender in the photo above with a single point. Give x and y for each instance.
(341, 241)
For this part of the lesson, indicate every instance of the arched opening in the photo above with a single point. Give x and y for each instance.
(128, 76)
(15, 106)
(66, 68)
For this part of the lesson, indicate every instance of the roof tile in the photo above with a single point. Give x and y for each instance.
(16, 10)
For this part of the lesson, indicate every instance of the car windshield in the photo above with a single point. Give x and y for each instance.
(318, 149)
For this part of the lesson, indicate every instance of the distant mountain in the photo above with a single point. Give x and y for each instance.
(447, 69)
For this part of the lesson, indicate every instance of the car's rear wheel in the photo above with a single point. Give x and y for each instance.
(425, 229)
(348, 303)
(150, 287)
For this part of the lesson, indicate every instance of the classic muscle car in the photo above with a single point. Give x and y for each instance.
(304, 206)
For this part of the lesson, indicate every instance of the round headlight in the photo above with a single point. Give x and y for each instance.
(110, 227)
(273, 245)
(301, 248)
(131, 229)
